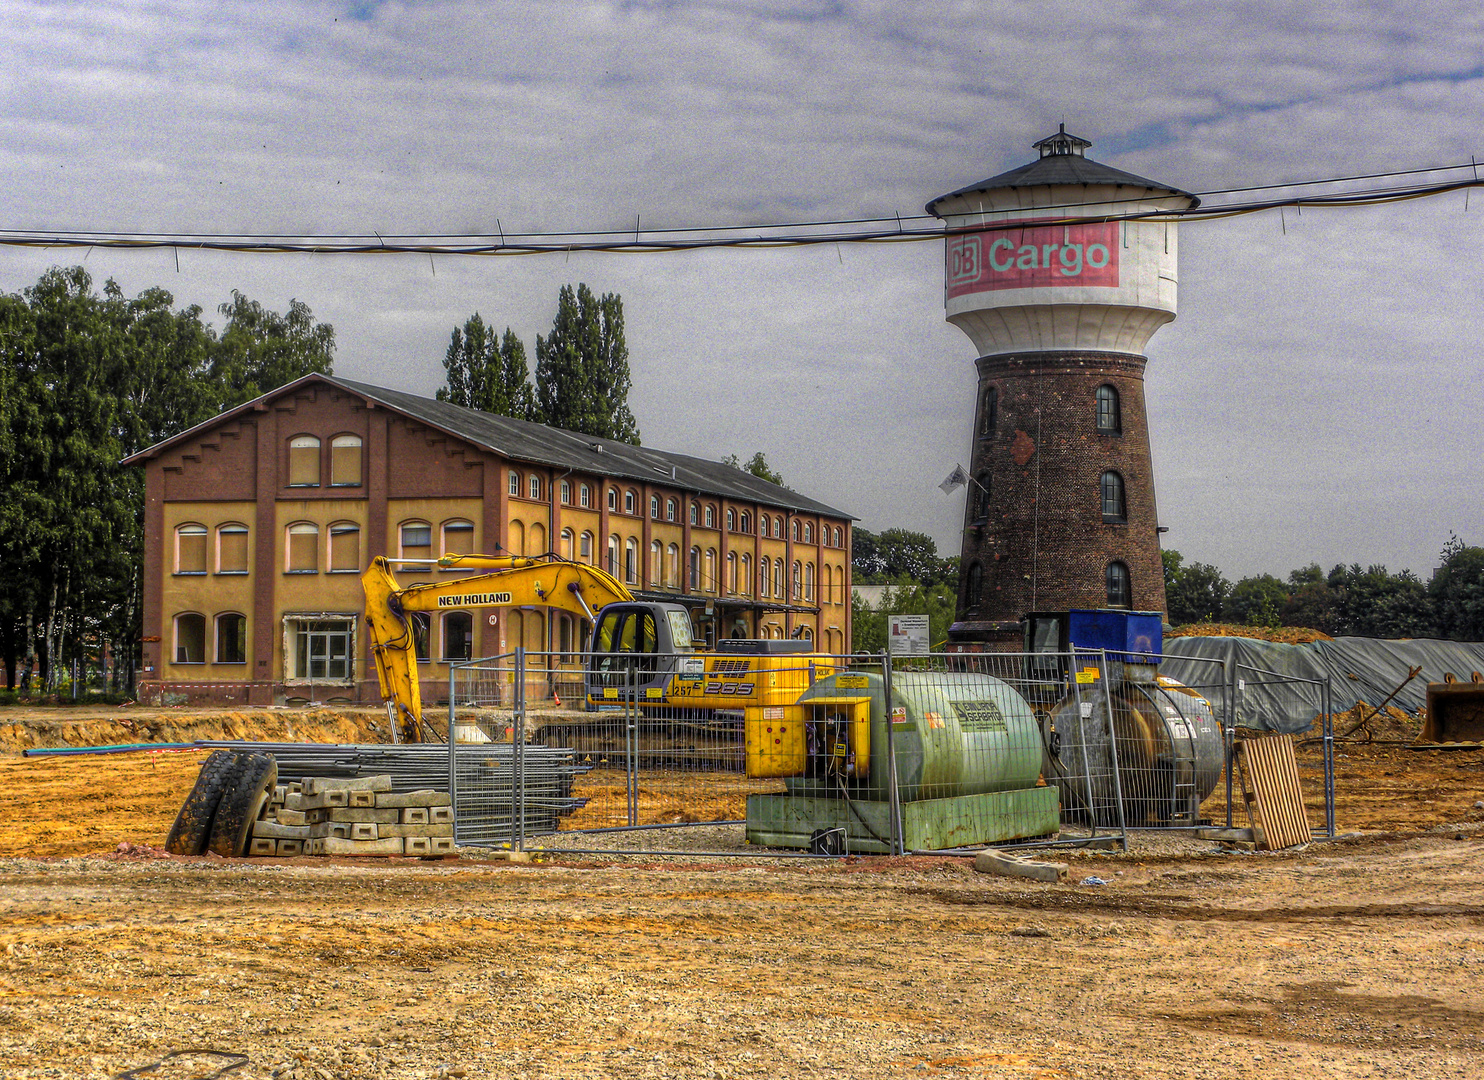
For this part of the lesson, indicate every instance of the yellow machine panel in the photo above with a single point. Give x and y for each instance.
(775, 741)
(825, 736)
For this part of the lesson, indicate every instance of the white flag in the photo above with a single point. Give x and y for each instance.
(956, 479)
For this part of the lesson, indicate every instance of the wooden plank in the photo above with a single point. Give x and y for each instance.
(1270, 786)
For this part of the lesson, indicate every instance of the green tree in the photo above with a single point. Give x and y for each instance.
(895, 554)
(582, 367)
(1256, 601)
(937, 600)
(758, 467)
(1457, 592)
(488, 373)
(1195, 593)
(260, 350)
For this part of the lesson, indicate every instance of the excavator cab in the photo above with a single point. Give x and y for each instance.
(635, 646)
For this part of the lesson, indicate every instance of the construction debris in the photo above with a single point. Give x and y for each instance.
(353, 816)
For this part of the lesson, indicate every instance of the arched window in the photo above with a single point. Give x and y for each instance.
(304, 461)
(303, 548)
(231, 638)
(566, 492)
(458, 636)
(630, 501)
(732, 572)
(190, 549)
(989, 407)
(797, 580)
(613, 566)
(345, 461)
(568, 539)
(613, 499)
(656, 562)
(744, 574)
(231, 548)
(534, 486)
(654, 507)
(981, 496)
(536, 539)
(809, 581)
(731, 520)
(745, 524)
(695, 513)
(973, 588)
(345, 547)
(808, 532)
(764, 569)
(585, 552)
(631, 561)
(585, 496)
(1110, 418)
(515, 538)
(826, 586)
(421, 623)
(838, 541)
(711, 583)
(695, 568)
(669, 509)
(190, 638)
(458, 537)
(710, 516)
(514, 487)
(416, 540)
(1114, 509)
(672, 566)
(795, 530)
(778, 578)
(1120, 592)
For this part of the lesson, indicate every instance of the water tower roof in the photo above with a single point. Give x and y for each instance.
(1062, 162)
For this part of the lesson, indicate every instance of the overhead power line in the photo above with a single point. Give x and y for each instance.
(879, 230)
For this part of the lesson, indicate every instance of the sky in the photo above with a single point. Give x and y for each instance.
(1316, 400)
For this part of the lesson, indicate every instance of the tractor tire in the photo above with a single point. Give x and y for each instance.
(242, 802)
(192, 829)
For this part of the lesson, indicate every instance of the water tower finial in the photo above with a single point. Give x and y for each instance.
(1062, 143)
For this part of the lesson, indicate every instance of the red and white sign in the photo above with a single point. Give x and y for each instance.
(1032, 256)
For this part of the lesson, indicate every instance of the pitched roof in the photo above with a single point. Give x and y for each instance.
(538, 444)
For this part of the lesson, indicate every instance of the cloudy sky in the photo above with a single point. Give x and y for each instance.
(1316, 400)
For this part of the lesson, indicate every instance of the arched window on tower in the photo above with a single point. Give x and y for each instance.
(980, 495)
(1114, 508)
(989, 408)
(1110, 416)
(1120, 593)
(973, 588)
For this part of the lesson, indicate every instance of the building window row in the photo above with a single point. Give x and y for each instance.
(226, 645)
(455, 636)
(195, 552)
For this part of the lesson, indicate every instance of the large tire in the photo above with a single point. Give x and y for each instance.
(242, 802)
(192, 829)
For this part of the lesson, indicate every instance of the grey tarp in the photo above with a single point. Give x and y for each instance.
(1358, 669)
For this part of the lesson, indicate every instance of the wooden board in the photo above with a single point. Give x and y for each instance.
(1270, 785)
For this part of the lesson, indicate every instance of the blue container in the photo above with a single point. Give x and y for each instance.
(1131, 637)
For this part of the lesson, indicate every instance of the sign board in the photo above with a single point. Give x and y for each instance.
(1028, 255)
(907, 635)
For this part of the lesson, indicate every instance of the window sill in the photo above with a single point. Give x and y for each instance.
(189, 573)
(231, 573)
(1115, 521)
(301, 486)
(347, 571)
(300, 572)
(344, 486)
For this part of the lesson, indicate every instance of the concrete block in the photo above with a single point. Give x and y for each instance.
(440, 845)
(290, 847)
(997, 862)
(361, 798)
(438, 815)
(362, 813)
(329, 797)
(312, 846)
(334, 845)
(278, 831)
(443, 829)
(315, 784)
(262, 845)
(414, 815)
(280, 793)
(286, 816)
(416, 845)
(424, 797)
(294, 800)
(361, 830)
(296, 788)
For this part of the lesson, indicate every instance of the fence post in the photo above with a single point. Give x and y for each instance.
(1229, 729)
(631, 740)
(1327, 700)
(894, 802)
(453, 749)
(1113, 750)
(518, 754)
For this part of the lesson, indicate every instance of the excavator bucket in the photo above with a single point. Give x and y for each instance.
(1455, 711)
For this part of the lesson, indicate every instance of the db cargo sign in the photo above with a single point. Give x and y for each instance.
(1034, 257)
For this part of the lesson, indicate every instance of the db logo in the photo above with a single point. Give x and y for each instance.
(963, 260)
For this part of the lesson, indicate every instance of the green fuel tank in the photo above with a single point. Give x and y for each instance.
(955, 733)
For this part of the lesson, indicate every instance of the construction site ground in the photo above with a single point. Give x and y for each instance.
(1362, 956)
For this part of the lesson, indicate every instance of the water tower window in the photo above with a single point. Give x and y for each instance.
(1114, 508)
(989, 407)
(980, 495)
(1119, 593)
(1110, 419)
(974, 589)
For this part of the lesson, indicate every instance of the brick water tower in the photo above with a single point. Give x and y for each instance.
(1059, 272)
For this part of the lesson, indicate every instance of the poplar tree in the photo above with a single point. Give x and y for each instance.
(582, 367)
(487, 373)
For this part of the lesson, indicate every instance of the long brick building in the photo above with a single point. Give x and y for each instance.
(259, 522)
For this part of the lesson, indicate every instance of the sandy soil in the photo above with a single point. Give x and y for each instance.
(1361, 957)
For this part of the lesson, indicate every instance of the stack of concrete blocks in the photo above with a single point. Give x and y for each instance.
(361, 816)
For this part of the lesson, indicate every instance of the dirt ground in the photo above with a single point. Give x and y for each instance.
(1358, 957)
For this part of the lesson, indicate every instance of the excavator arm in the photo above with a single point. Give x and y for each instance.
(508, 581)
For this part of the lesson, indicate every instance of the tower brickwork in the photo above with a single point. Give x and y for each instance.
(1059, 272)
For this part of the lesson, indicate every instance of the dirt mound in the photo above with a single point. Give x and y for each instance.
(1281, 635)
(31, 728)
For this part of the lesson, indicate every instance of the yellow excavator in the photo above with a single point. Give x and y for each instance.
(641, 651)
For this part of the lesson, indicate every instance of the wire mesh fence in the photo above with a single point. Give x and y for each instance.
(790, 752)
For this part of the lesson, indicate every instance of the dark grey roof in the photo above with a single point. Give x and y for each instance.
(538, 444)
(1062, 169)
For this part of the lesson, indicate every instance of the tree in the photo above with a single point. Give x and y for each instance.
(1194, 593)
(937, 600)
(582, 367)
(1256, 601)
(758, 467)
(488, 373)
(1457, 592)
(260, 350)
(897, 554)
